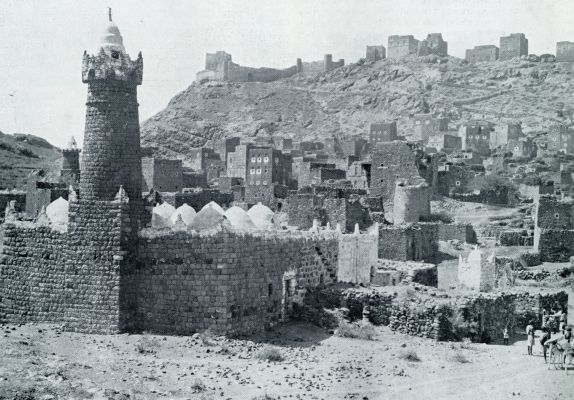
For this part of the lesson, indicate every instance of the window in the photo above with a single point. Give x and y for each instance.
(264, 183)
(257, 183)
(252, 172)
(270, 289)
(457, 183)
(252, 159)
(258, 171)
(259, 159)
(266, 159)
(484, 137)
(427, 122)
(556, 215)
(276, 161)
(115, 54)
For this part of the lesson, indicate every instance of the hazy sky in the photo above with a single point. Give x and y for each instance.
(41, 43)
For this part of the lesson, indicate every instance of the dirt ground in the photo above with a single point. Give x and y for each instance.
(41, 362)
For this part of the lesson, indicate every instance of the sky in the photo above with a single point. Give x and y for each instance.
(41, 43)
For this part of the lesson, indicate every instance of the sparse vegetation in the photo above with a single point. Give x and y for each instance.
(356, 330)
(147, 345)
(459, 358)
(410, 355)
(198, 386)
(207, 338)
(270, 353)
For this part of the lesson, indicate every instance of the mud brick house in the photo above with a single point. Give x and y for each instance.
(426, 125)
(476, 136)
(222, 147)
(561, 139)
(502, 134)
(199, 158)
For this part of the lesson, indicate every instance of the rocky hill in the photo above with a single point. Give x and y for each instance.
(346, 100)
(20, 154)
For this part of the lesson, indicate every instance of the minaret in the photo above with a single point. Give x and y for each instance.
(111, 152)
(70, 172)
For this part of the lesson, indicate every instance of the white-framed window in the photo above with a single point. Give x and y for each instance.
(556, 215)
(516, 148)
(257, 183)
(258, 171)
(457, 183)
(427, 122)
(265, 159)
(259, 159)
(484, 137)
(252, 159)
(252, 171)
(264, 183)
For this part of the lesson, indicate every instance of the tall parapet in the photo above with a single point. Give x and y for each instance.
(513, 45)
(112, 132)
(565, 51)
(329, 64)
(376, 53)
(401, 46)
(70, 172)
(433, 44)
(412, 201)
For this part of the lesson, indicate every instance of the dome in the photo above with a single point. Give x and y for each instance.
(207, 218)
(215, 206)
(262, 216)
(57, 211)
(164, 210)
(238, 218)
(159, 222)
(112, 38)
(186, 212)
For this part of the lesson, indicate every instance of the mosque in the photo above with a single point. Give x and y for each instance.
(107, 261)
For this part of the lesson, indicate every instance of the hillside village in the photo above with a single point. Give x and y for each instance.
(410, 201)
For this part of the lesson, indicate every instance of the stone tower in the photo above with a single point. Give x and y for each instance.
(111, 153)
(70, 172)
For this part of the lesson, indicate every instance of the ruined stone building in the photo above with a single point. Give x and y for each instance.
(565, 51)
(514, 45)
(476, 136)
(554, 228)
(503, 133)
(376, 53)
(445, 143)
(329, 64)
(561, 139)
(359, 174)
(483, 53)
(411, 201)
(433, 44)
(426, 125)
(401, 46)
(200, 158)
(382, 132)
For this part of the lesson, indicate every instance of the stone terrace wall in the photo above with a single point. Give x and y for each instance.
(228, 282)
(358, 254)
(417, 242)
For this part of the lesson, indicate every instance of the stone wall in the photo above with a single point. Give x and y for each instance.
(71, 277)
(401, 46)
(513, 45)
(482, 53)
(411, 202)
(461, 232)
(416, 242)
(229, 282)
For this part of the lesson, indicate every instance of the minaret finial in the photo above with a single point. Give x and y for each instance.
(110, 13)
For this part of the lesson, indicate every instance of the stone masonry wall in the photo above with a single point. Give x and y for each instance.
(228, 282)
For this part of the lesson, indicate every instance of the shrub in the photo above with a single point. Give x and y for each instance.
(147, 345)
(441, 216)
(207, 338)
(270, 353)
(198, 386)
(410, 355)
(356, 330)
(459, 358)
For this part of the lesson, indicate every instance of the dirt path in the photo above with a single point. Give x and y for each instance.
(41, 362)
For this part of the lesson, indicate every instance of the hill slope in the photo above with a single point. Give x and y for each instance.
(20, 154)
(346, 100)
